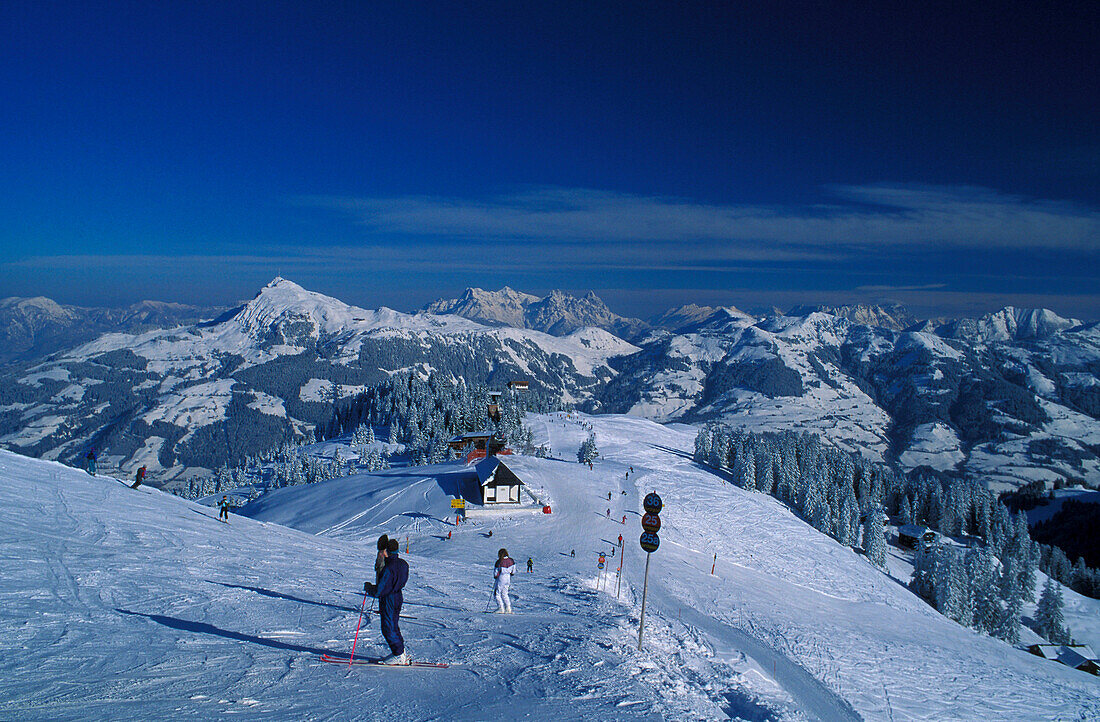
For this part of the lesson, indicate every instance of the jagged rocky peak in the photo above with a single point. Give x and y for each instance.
(505, 307)
(893, 316)
(561, 313)
(558, 313)
(1008, 324)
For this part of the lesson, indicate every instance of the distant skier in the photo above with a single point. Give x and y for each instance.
(620, 540)
(572, 553)
(490, 533)
(624, 519)
(609, 513)
(223, 515)
(380, 560)
(90, 457)
(609, 496)
(140, 478)
(388, 593)
(502, 573)
(530, 565)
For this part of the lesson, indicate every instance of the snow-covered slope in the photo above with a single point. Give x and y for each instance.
(138, 605)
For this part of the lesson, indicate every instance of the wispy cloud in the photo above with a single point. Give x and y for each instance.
(888, 289)
(861, 218)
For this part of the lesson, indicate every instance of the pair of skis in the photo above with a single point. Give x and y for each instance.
(351, 660)
(371, 661)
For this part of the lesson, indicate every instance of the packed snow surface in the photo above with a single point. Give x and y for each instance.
(133, 604)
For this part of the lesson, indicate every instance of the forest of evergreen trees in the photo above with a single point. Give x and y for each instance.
(848, 497)
(415, 415)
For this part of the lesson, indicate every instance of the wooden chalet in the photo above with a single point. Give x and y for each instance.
(910, 534)
(479, 445)
(481, 440)
(518, 385)
(499, 484)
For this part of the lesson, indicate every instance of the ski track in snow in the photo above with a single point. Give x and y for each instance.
(139, 605)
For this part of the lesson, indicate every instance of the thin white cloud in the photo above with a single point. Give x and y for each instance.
(862, 218)
(885, 289)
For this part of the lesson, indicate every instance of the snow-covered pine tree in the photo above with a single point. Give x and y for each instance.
(905, 511)
(744, 470)
(874, 536)
(952, 589)
(987, 603)
(702, 445)
(1008, 621)
(587, 453)
(848, 522)
(1050, 621)
(925, 561)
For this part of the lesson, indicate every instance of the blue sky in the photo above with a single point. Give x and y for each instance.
(753, 154)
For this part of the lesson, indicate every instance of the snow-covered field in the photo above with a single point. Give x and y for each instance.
(123, 604)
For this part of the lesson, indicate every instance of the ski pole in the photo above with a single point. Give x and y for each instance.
(358, 624)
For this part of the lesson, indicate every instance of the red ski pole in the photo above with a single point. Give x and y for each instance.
(357, 625)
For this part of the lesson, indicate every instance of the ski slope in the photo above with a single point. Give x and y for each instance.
(118, 603)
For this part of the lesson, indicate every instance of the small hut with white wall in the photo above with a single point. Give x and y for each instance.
(499, 484)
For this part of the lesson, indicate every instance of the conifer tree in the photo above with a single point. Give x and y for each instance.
(923, 582)
(1049, 619)
(1008, 621)
(874, 536)
(588, 452)
(905, 511)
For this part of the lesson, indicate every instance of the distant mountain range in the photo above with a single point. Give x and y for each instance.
(186, 400)
(1008, 397)
(558, 313)
(32, 328)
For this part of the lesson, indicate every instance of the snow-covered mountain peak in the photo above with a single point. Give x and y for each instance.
(283, 301)
(504, 307)
(558, 313)
(1008, 324)
(37, 305)
(892, 316)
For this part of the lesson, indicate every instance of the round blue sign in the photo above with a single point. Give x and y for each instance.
(650, 541)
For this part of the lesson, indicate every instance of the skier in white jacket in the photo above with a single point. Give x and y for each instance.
(502, 573)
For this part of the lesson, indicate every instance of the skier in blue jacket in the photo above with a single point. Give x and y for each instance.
(388, 593)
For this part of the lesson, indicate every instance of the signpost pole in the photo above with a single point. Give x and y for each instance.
(650, 542)
(645, 591)
(619, 583)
